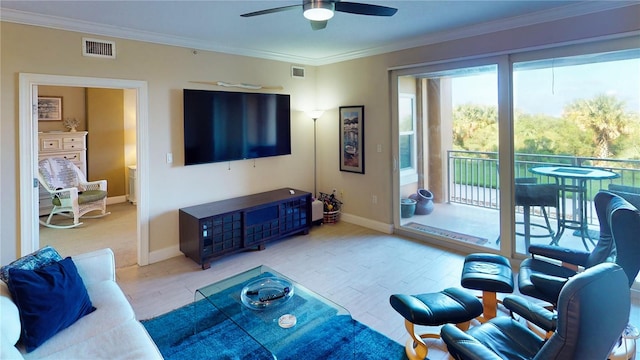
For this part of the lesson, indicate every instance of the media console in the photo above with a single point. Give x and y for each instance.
(219, 228)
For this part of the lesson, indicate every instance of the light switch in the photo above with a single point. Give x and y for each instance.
(169, 158)
(379, 148)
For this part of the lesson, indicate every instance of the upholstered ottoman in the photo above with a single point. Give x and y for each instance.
(491, 274)
(449, 306)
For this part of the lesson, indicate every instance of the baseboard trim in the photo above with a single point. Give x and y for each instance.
(164, 254)
(173, 251)
(116, 199)
(368, 223)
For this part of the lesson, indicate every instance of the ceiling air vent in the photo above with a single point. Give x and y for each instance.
(98, 48)
(297, 72)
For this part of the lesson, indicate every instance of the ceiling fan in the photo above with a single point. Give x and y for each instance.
(318, 12)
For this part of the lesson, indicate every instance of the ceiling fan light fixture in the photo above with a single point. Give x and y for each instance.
(318, 10)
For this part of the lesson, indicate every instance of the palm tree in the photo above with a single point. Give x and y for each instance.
(475, 127)
(604, 116)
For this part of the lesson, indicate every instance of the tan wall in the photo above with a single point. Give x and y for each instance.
(110, 149)
(105, 141)
(366, 82)
(72, 107)
(130, 141)
(169, 69)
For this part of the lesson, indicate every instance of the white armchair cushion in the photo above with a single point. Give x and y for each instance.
(10, 324)
(96, 266)
(8, 351)
(127, 341)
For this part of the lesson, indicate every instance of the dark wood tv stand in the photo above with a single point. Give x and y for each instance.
(215, 229)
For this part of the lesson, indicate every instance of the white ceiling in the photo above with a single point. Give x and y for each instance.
(216, 25)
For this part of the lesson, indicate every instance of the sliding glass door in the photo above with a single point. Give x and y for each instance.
(467, 136)
(573, 114)
(447, 162)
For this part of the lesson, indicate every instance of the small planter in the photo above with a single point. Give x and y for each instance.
(331, 208)
(424, 198)
(331, 217)
(407, 208)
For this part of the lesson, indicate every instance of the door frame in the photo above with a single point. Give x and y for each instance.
(28, 150)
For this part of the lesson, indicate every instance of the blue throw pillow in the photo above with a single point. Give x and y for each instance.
(49, 300)
(42, 257)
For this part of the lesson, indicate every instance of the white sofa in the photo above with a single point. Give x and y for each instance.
(110, 332)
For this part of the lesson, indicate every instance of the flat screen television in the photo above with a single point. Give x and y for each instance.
(225, 126)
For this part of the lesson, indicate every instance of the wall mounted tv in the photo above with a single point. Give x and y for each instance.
(225, 126)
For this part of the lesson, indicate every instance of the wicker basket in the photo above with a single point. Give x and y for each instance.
(331, 217)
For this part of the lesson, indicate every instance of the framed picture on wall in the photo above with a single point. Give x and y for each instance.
(49, 108)
(352, 139)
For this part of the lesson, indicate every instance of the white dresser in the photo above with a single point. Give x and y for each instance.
(69, 145)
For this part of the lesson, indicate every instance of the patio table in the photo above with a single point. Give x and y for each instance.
(573, 179)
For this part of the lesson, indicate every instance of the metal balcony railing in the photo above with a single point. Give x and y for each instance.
(472, 176)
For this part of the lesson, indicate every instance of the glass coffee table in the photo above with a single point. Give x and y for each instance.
(282, 316)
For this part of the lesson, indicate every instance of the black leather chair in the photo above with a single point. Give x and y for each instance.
(593, 310)
(624, 219)
(629, 193)
(543, 280)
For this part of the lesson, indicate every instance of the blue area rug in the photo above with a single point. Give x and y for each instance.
(217, 337)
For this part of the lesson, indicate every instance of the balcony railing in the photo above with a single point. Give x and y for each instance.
(472, 176)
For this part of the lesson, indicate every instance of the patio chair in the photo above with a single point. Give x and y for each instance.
(529, 194)
(593, 310)
(71, 194)
(619, 226)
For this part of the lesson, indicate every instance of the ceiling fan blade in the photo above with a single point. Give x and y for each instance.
(271, 11)
(364, 9)
(318, 25)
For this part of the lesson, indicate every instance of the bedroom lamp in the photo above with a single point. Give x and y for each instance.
(315, 114)
(316, 10)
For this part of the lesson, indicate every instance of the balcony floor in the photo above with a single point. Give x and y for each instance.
(484, 223)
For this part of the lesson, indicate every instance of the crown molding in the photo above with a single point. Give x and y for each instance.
(61, 23)
(540, 17)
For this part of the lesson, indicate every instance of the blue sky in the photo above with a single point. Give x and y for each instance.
(548, 90)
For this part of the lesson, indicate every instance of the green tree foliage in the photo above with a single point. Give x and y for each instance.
(547, 135)
(597, 127)
(475, 127)
(603, 117)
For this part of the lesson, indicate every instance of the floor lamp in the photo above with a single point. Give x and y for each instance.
(315, 114)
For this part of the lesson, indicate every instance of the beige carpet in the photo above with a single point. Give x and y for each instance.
(116, 231)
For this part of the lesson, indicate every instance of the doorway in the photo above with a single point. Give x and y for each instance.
(453, 200)
(28, 131)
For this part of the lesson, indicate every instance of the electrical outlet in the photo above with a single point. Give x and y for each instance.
(374, 199)
(342, 193)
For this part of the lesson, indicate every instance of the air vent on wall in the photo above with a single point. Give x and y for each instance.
(297, 72)
(98, 48)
